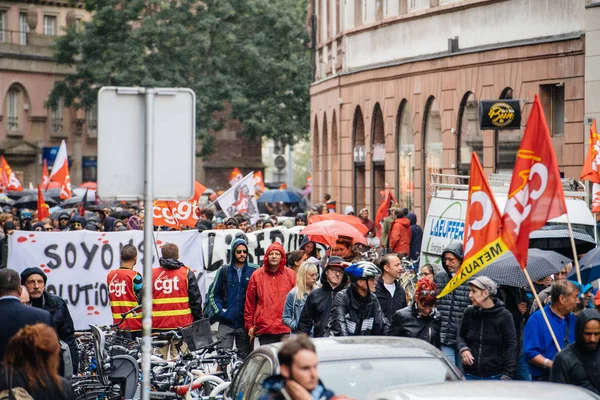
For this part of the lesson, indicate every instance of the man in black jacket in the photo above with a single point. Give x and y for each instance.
(390, 294)
(34, 280)
(13, 314)
(317, 308)
(453, 305)
(578, 364)
(356, 311)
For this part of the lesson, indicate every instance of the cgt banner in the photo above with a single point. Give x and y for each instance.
(77, 263)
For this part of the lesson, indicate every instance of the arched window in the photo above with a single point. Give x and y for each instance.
(405, 148)
(359, 153)
(325, 156)
(432, 147)
(16, 101)
(316, 182)
(378, 167)
(469, 136)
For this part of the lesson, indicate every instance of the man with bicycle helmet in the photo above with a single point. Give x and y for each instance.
(356, 310)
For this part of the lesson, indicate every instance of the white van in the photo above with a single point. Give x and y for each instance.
(446, 216)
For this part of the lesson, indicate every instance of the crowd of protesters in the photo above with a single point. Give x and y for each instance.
(489, 332)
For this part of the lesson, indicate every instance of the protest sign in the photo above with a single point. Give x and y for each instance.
(77, 263)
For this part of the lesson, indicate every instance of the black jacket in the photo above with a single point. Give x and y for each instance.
(490, 336)
(577, 365)
(61, 318)
(451, 307)
(318, 307)
(14, 316)
(416, 236)
(389, 305)
(409, 323)
(194, 295)
(4, 253)
(353, 315)
(50, 391)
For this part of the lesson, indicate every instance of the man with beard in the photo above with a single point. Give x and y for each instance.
(227, 297)
(34, 280)
(578, 363)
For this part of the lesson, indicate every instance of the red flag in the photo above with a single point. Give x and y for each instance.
(382, 211)
(45, 175)
(60, 172)
(259, 182)
(42, 208)
(536, 193)
(590, 166)
(81, 208)
(9, 179)
(235, 176)
(178, 213)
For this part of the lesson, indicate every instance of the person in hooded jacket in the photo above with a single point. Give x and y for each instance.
(266, 295)
(487, 341)
(227, 298)
(356, 310)
(316, 310)
(416, 236)
(174, 288)
(77, 223)
(453, 305)
(400, 235)
(579, 363)
(421, 319)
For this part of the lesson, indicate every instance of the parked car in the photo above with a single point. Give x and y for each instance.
(486, 390)
(352, 366)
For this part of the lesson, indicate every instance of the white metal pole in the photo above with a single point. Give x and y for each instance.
(148, 253)
(290, 174)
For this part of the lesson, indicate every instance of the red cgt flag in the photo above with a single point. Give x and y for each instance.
(42, 208)
(45, 175)
(60, 172)
(536, 193)
(590, 166)
(9, 179)
(382, 211)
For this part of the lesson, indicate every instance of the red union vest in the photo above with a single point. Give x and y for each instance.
(122, 298)
(170, 301)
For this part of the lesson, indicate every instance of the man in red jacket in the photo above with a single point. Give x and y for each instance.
(400, 235)
(265, 297)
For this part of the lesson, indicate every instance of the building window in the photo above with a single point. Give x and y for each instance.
(553, 103)
(3, 27)
(49, 25)
(405, 177)
(92, 121)
(56, 118)
(23, 28)
(12, 109)
(89, 169)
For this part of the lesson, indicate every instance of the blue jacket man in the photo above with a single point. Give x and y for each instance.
(227, 298)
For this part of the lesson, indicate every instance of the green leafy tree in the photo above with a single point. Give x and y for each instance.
(250, 53)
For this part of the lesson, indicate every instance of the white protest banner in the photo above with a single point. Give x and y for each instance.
(240, 199)
(77, 263)
(294, 238)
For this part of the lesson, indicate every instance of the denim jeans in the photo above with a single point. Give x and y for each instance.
(522, 373)
(452, 355)
(470, 377)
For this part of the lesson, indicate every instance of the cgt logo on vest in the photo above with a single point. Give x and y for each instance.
(165, 284)
(116, 287)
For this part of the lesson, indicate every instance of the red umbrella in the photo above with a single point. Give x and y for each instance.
(349, 219)
(327, 232)
(89, 185)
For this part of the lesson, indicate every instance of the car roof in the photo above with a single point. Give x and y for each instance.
(487, 390)
(359, 347)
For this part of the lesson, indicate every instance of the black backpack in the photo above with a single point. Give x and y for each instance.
(209, 312)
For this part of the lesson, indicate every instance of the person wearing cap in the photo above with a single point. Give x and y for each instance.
(232, 223)
(63, 220)
(34, 280)
(317, 308)
(349, 210)
(487, 341)
(538, 345)
(356, 310)
(453, 305)
(26, 218)
(364, 218)
(9, 229)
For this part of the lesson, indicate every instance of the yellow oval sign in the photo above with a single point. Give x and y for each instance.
(501, 114)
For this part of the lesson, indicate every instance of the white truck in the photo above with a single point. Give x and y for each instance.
(445, 221)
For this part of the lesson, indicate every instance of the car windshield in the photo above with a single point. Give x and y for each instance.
(356, 378)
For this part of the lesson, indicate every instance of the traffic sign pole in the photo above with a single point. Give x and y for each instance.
(148, 246)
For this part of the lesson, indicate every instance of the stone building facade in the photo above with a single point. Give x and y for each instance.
(398, 85)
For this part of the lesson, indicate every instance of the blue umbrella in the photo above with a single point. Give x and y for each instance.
(589, 265)
(278, 195)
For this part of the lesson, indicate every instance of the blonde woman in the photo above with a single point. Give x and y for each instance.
(306, 278)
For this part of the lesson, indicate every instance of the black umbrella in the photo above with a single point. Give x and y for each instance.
(506, 270)
(76, 200)
(5, 201)
(54, 193)
(21, 193)
(557, 238)
(32, 200)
